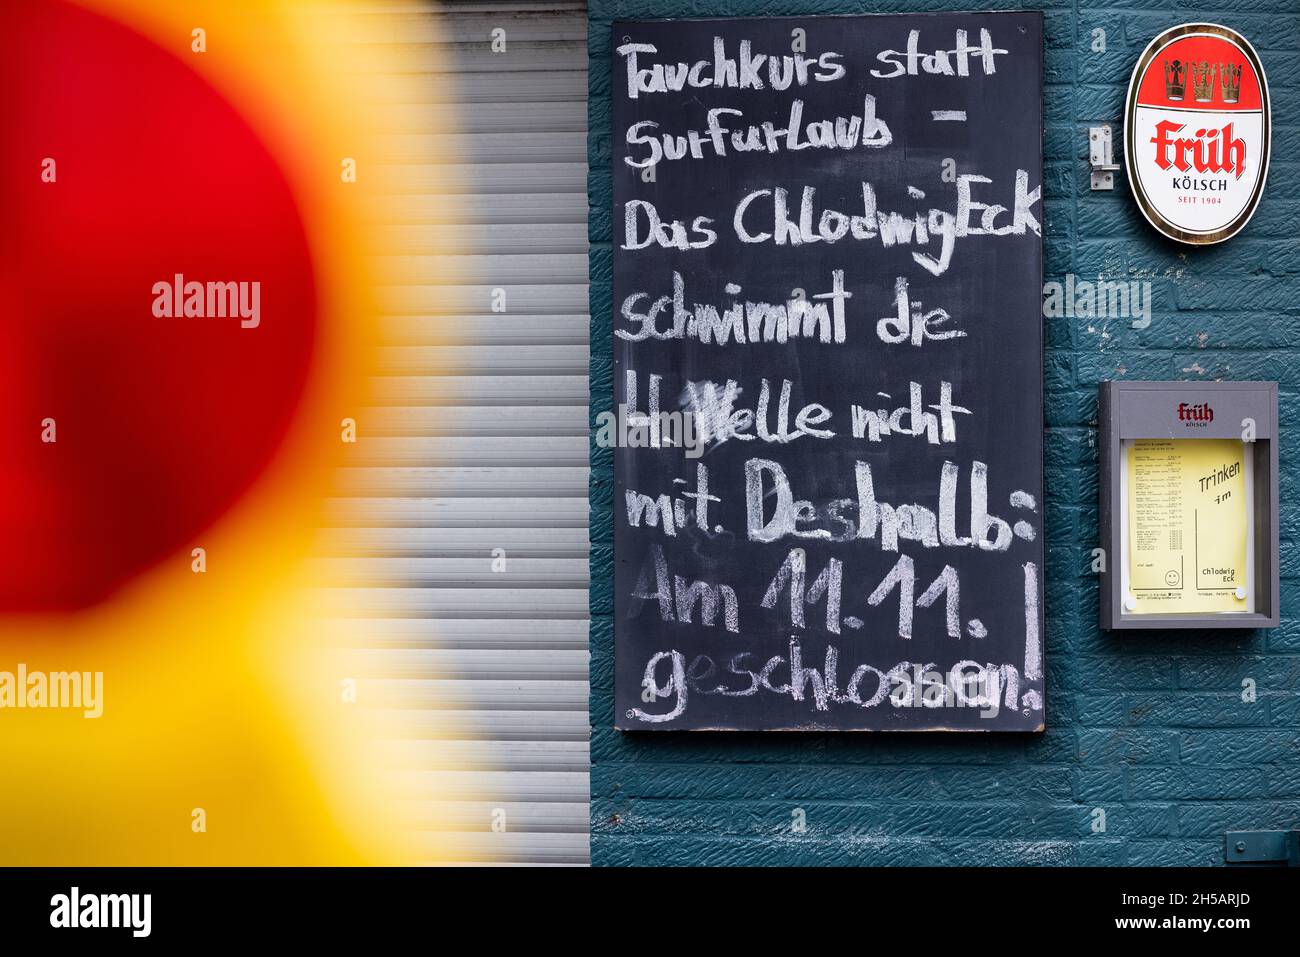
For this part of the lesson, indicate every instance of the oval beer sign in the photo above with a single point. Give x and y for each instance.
(1196, 132)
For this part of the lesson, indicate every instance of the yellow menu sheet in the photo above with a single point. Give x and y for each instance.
(1187, 526)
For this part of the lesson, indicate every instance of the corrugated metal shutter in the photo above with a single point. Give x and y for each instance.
(477, 440)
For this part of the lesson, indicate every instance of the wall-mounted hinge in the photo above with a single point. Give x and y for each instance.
(1101, 157)
(1260, 847)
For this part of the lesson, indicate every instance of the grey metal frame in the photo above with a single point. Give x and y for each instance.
(1148, 410)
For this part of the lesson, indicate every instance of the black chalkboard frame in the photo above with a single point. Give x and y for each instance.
(628, 670)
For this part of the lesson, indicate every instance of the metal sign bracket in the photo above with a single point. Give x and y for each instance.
(1101, 157)
(1262, 847)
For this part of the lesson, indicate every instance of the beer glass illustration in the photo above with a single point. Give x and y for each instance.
(1175, 79)
(1230, 81)
(1203, 74)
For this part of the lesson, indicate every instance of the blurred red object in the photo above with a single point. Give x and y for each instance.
(161, 423)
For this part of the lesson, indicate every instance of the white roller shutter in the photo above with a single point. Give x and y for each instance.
(477, 436)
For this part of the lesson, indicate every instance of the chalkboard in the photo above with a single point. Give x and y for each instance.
(827, 342)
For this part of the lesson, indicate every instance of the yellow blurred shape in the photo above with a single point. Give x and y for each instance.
(228, 736)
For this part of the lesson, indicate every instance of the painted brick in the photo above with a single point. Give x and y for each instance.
(1231, 748)
(1213, 819)
(1150, 728)
(1110, 746)
(1178, 853)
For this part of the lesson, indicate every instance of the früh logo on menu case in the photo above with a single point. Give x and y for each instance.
(1196, 132)
(1195, 415)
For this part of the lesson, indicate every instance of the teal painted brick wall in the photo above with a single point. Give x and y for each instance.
(1151, 729)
